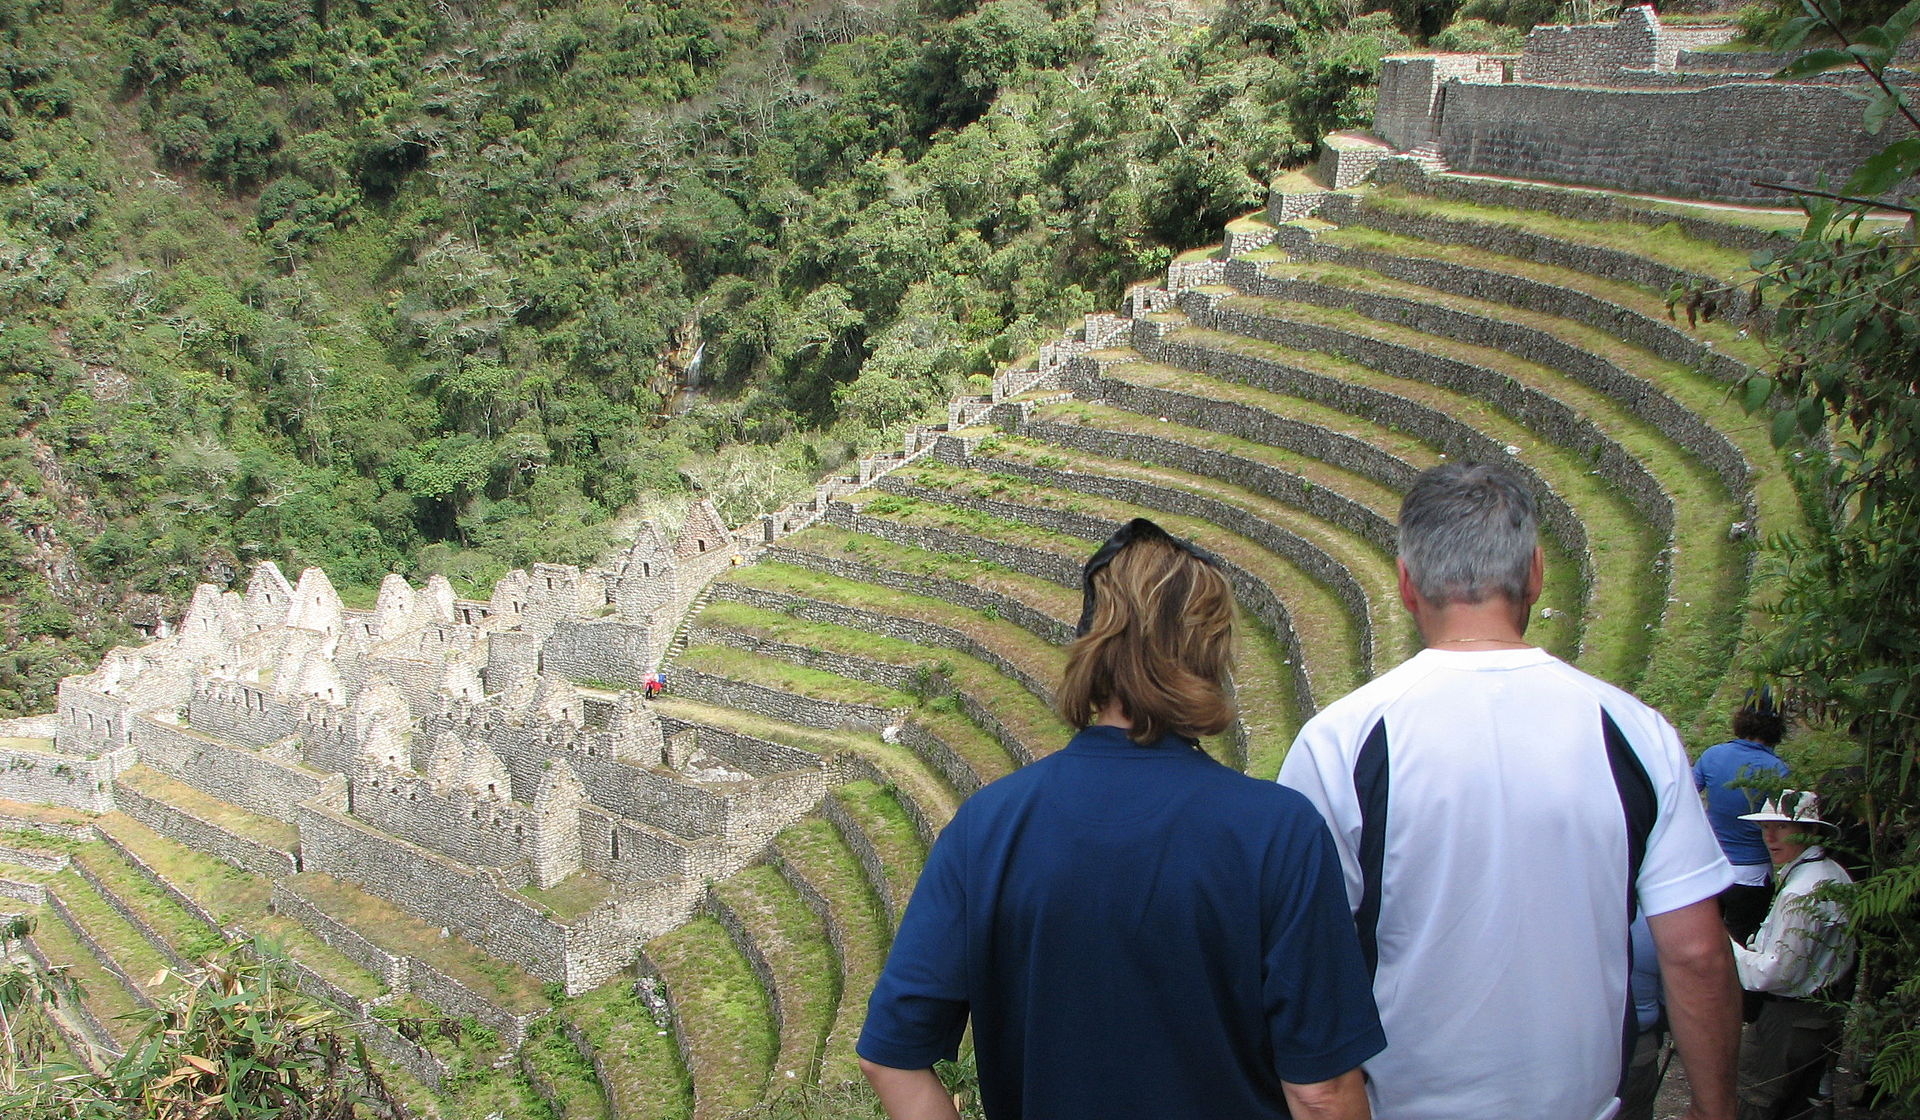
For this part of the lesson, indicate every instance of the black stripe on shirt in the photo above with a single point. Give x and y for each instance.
(1370, 787)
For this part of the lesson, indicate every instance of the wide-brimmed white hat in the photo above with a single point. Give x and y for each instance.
(1795, 806)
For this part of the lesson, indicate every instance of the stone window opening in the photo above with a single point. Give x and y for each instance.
(519, 832)
(646, 570)
(616, 844)
(549, 583)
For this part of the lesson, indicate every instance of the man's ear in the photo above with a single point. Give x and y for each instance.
(1536, 575)
(1409, 595)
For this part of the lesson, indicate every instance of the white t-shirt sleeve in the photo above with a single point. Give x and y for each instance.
(1683, 863)
(1320, 768)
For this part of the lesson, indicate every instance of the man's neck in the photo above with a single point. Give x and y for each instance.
(1487, 626)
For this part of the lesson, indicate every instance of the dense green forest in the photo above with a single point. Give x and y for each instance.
(396, 286)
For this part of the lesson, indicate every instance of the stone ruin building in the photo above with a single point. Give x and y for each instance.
(446, 754)
(1634, 105)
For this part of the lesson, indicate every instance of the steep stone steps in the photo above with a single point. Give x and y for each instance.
(722, 1019)
(1358, 572)
(634, 1058)
(786, 944)
(824, 871)
(1267, 585)
(1609, 542)
(1270, 681)
(965, 701)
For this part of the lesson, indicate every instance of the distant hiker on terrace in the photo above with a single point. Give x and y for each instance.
(1133, 928)
(1732, 774)
(1501, 818)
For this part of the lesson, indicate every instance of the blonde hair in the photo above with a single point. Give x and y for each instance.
(1160, 644)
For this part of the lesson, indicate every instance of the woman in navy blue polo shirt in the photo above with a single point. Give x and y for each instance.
(1133, 928)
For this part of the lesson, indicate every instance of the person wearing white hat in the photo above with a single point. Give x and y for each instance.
(1798, 962)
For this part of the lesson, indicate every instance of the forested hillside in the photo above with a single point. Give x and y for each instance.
(399, 286)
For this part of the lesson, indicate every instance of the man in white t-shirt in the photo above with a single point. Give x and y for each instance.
(1501, 817)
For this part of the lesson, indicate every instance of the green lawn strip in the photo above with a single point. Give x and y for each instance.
(1264, 694)
(1707, 571)
(1706, 397)
(1371, 568)
(877, 813)
(19, 813)
(186, 933)
(1005, 638)
(825, 742)
(1624, 547)
(1156, 375)
(102, 991)
(1653, 304)
(135, 955)
(934, 515)
(740, 665)
(294, 940)
(1665, 244)
(571, 897)
(1329, 635)
(1009, 640)
(15, 873)
(564, 1074)
(837, 543)
(397, 931)
(979, 750)
(276, 834)
(814, 850)
(1019, 710)
(640, 1061)
(227, 892)
(794, 943)
(722, 1013)
(1315, 472)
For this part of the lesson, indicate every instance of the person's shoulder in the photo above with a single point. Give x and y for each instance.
(1357, 710)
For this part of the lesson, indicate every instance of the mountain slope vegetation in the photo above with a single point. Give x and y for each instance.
(454, 287)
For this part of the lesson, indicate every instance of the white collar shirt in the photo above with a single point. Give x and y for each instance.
(1803, 946)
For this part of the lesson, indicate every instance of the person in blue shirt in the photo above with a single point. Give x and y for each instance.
(1133, 928)
(1738, 776)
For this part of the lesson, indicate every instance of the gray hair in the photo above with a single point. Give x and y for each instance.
(1468, 530)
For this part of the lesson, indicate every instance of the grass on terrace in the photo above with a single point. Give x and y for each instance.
(104, 994)
(792, 940)
(187, 934)
(1697, 625)
(813, 851)
(721, 1012)
(844, 544)
(18, 814)
(1665, 244)
(226, 892)
(1615, 635)
(276, 834)
(1371, 568)
(1329, 633)
(644, 1075)
(135, 955)
(1023, 713)
(740, 665)
(571, 897)
(880, 818)
(397, 931)
(564, 1072)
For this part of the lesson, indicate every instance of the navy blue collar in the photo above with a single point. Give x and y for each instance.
(1105, 739)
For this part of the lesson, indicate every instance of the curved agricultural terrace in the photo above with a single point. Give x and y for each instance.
(1271, 402)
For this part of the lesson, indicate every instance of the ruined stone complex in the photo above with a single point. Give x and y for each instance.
(446, 803)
